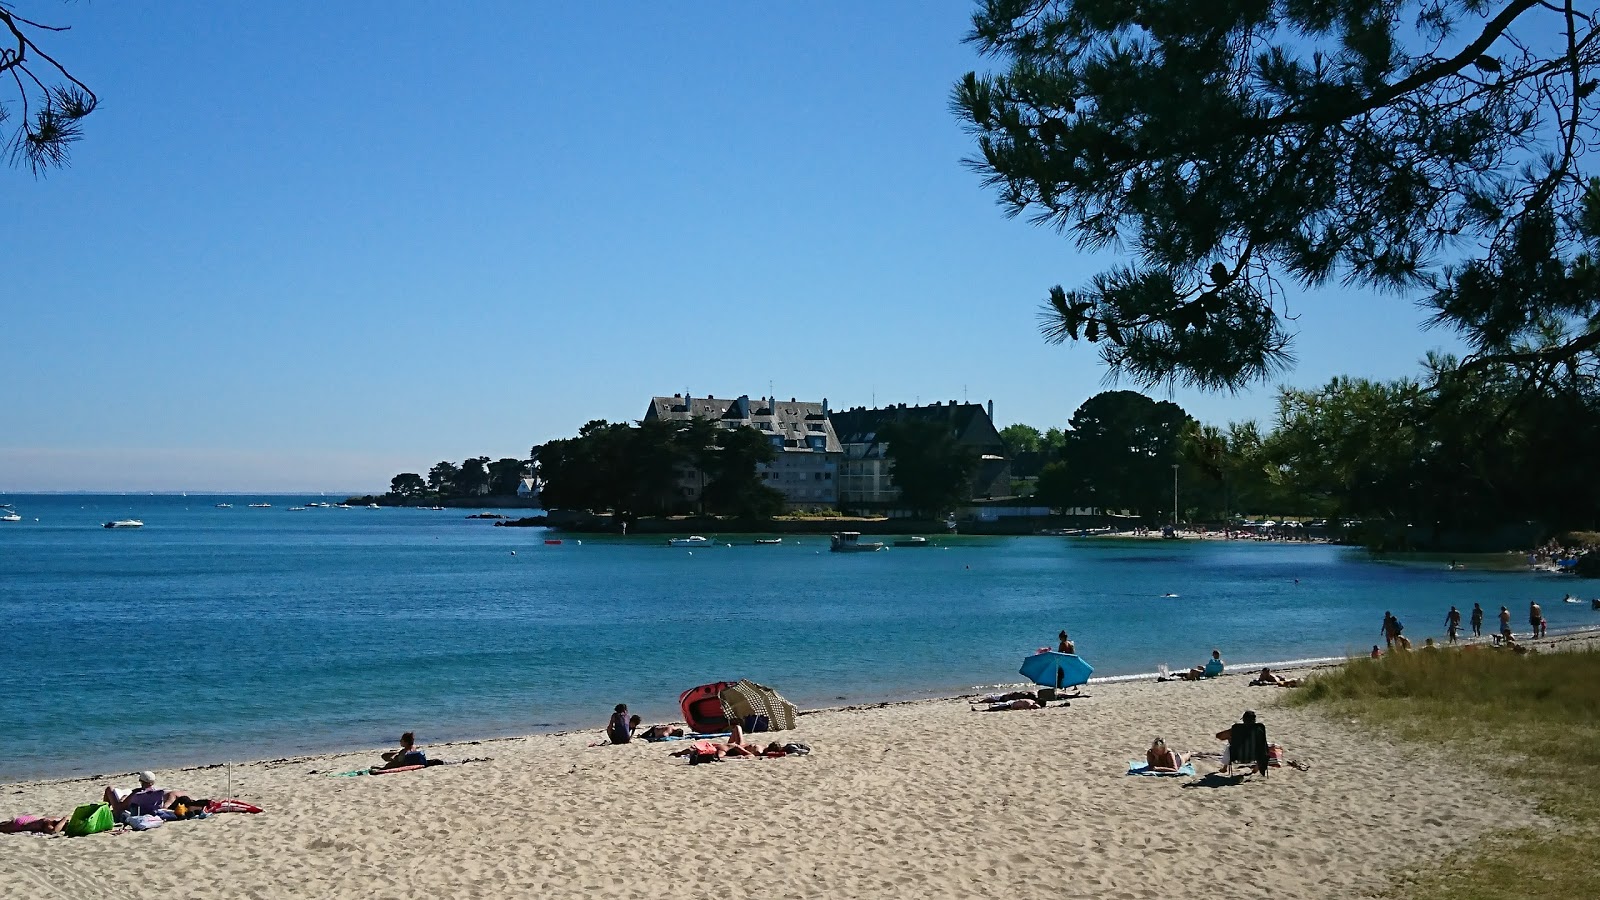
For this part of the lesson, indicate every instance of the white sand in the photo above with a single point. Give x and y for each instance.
(924, 799)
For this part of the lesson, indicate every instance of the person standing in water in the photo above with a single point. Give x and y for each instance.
(1535, 617)
(1505, 623)
(1452, 623)
(1477, 620)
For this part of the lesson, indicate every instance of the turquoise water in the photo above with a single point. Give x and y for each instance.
(255, 633)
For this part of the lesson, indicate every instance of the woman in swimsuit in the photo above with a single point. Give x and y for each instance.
(35, 824)
(1161, 758)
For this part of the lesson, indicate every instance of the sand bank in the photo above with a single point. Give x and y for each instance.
(915, 799)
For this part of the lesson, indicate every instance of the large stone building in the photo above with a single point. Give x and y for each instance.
(865, 482)
(807, 465)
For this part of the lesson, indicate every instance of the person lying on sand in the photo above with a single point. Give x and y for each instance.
(1269, 679)
(34, 824)
(659, 733)
(407, 755)
(1023, 703)
(1160, 758)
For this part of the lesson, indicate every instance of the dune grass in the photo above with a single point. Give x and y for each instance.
(1534, 720)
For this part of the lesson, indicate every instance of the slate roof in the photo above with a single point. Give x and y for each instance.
(791, 418)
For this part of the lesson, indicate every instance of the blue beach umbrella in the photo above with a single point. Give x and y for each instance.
(1053, 669)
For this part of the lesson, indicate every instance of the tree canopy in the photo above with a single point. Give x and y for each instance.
(932, 469)
(1119, 452)
(1433, 148)
(51, 102)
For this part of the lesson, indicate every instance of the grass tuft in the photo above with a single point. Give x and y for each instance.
(1532, 719)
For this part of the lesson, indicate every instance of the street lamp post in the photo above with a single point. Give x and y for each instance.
(1174, 495)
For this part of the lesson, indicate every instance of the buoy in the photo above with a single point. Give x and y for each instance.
(691, 552)
(513, 553)
(580, 543)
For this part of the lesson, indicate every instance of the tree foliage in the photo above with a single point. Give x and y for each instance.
(1119, 452)
(408, 486)
(1430, 147)
(635, 470)
(932, 469)
(48, 103)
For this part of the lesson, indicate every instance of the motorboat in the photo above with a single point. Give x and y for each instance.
(296, 509)
(224, 506)
(765, 541)
(11, 516)
(913, 542)
(437, 508)
(124, 523)
(372, 506)
(851, 542)
(261, 506)
(693, 540)
(317, 504)
(343, 506)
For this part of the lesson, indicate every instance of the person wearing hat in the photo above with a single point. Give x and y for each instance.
(145, 801)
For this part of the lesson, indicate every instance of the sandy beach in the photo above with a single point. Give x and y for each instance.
(925, 798)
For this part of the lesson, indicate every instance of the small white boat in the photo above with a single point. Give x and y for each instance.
(224, 506)
(851, 542)
(769, 540)
(913, 542)
(316, 504)
(693, 540)
(261, 506)
(11, 517)
(437, 508)
(372, 506)
(124, 523)
(296, 508)
(343, 506)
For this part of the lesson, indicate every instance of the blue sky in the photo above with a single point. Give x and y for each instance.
(305, 246)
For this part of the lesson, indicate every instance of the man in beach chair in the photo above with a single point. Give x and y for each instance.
(1247, 745)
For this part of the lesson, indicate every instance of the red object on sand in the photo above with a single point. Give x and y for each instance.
(702, 707)
(397, 769)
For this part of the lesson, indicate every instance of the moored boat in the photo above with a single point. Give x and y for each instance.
(11, 516)
(261, 506)
(913, 542)
(224, 506)
(124, 523)
(769, 540)
(693, 540)
(851, 542)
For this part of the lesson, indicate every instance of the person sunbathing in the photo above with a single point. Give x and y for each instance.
(1161, 758)
(407, 755)
(33, 824)
(1270, 679)
(1020, 703)
(659, 733)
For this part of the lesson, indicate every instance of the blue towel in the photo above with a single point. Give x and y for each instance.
(1138, 767)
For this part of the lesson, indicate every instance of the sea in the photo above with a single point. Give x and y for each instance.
(243, 633)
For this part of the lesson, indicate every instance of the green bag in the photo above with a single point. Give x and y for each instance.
(90, 818)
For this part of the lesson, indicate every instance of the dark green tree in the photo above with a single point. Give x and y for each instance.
(930, 467)
(733, 486)
(505, 476)
(472, 478)
(407, 485)
(1427, 147)
(52, 103)
(442, 477)
(1120, 449)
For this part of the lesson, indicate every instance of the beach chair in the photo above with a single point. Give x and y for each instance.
(1247, 745)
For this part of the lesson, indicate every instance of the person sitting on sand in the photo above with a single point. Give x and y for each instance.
(1065, 644)
(620, 728)
(33, 824)
(1269, 678)
(1160, 758)
(146, 801)
(1376, 653)
(407, 755)
(1211, 669)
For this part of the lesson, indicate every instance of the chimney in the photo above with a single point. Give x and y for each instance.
(824, 406)
(991, 412)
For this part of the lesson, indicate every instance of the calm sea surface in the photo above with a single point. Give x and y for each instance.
(246, 633)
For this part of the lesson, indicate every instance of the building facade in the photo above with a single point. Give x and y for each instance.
(806, 469)
(866, 482)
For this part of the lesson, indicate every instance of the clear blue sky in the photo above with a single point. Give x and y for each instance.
(304, 246)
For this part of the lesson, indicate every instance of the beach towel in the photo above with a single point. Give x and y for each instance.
(231, 806)
(145, 823)
(1139, 767)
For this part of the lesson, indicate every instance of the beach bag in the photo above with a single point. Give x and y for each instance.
(145, 823)
(90, 818)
